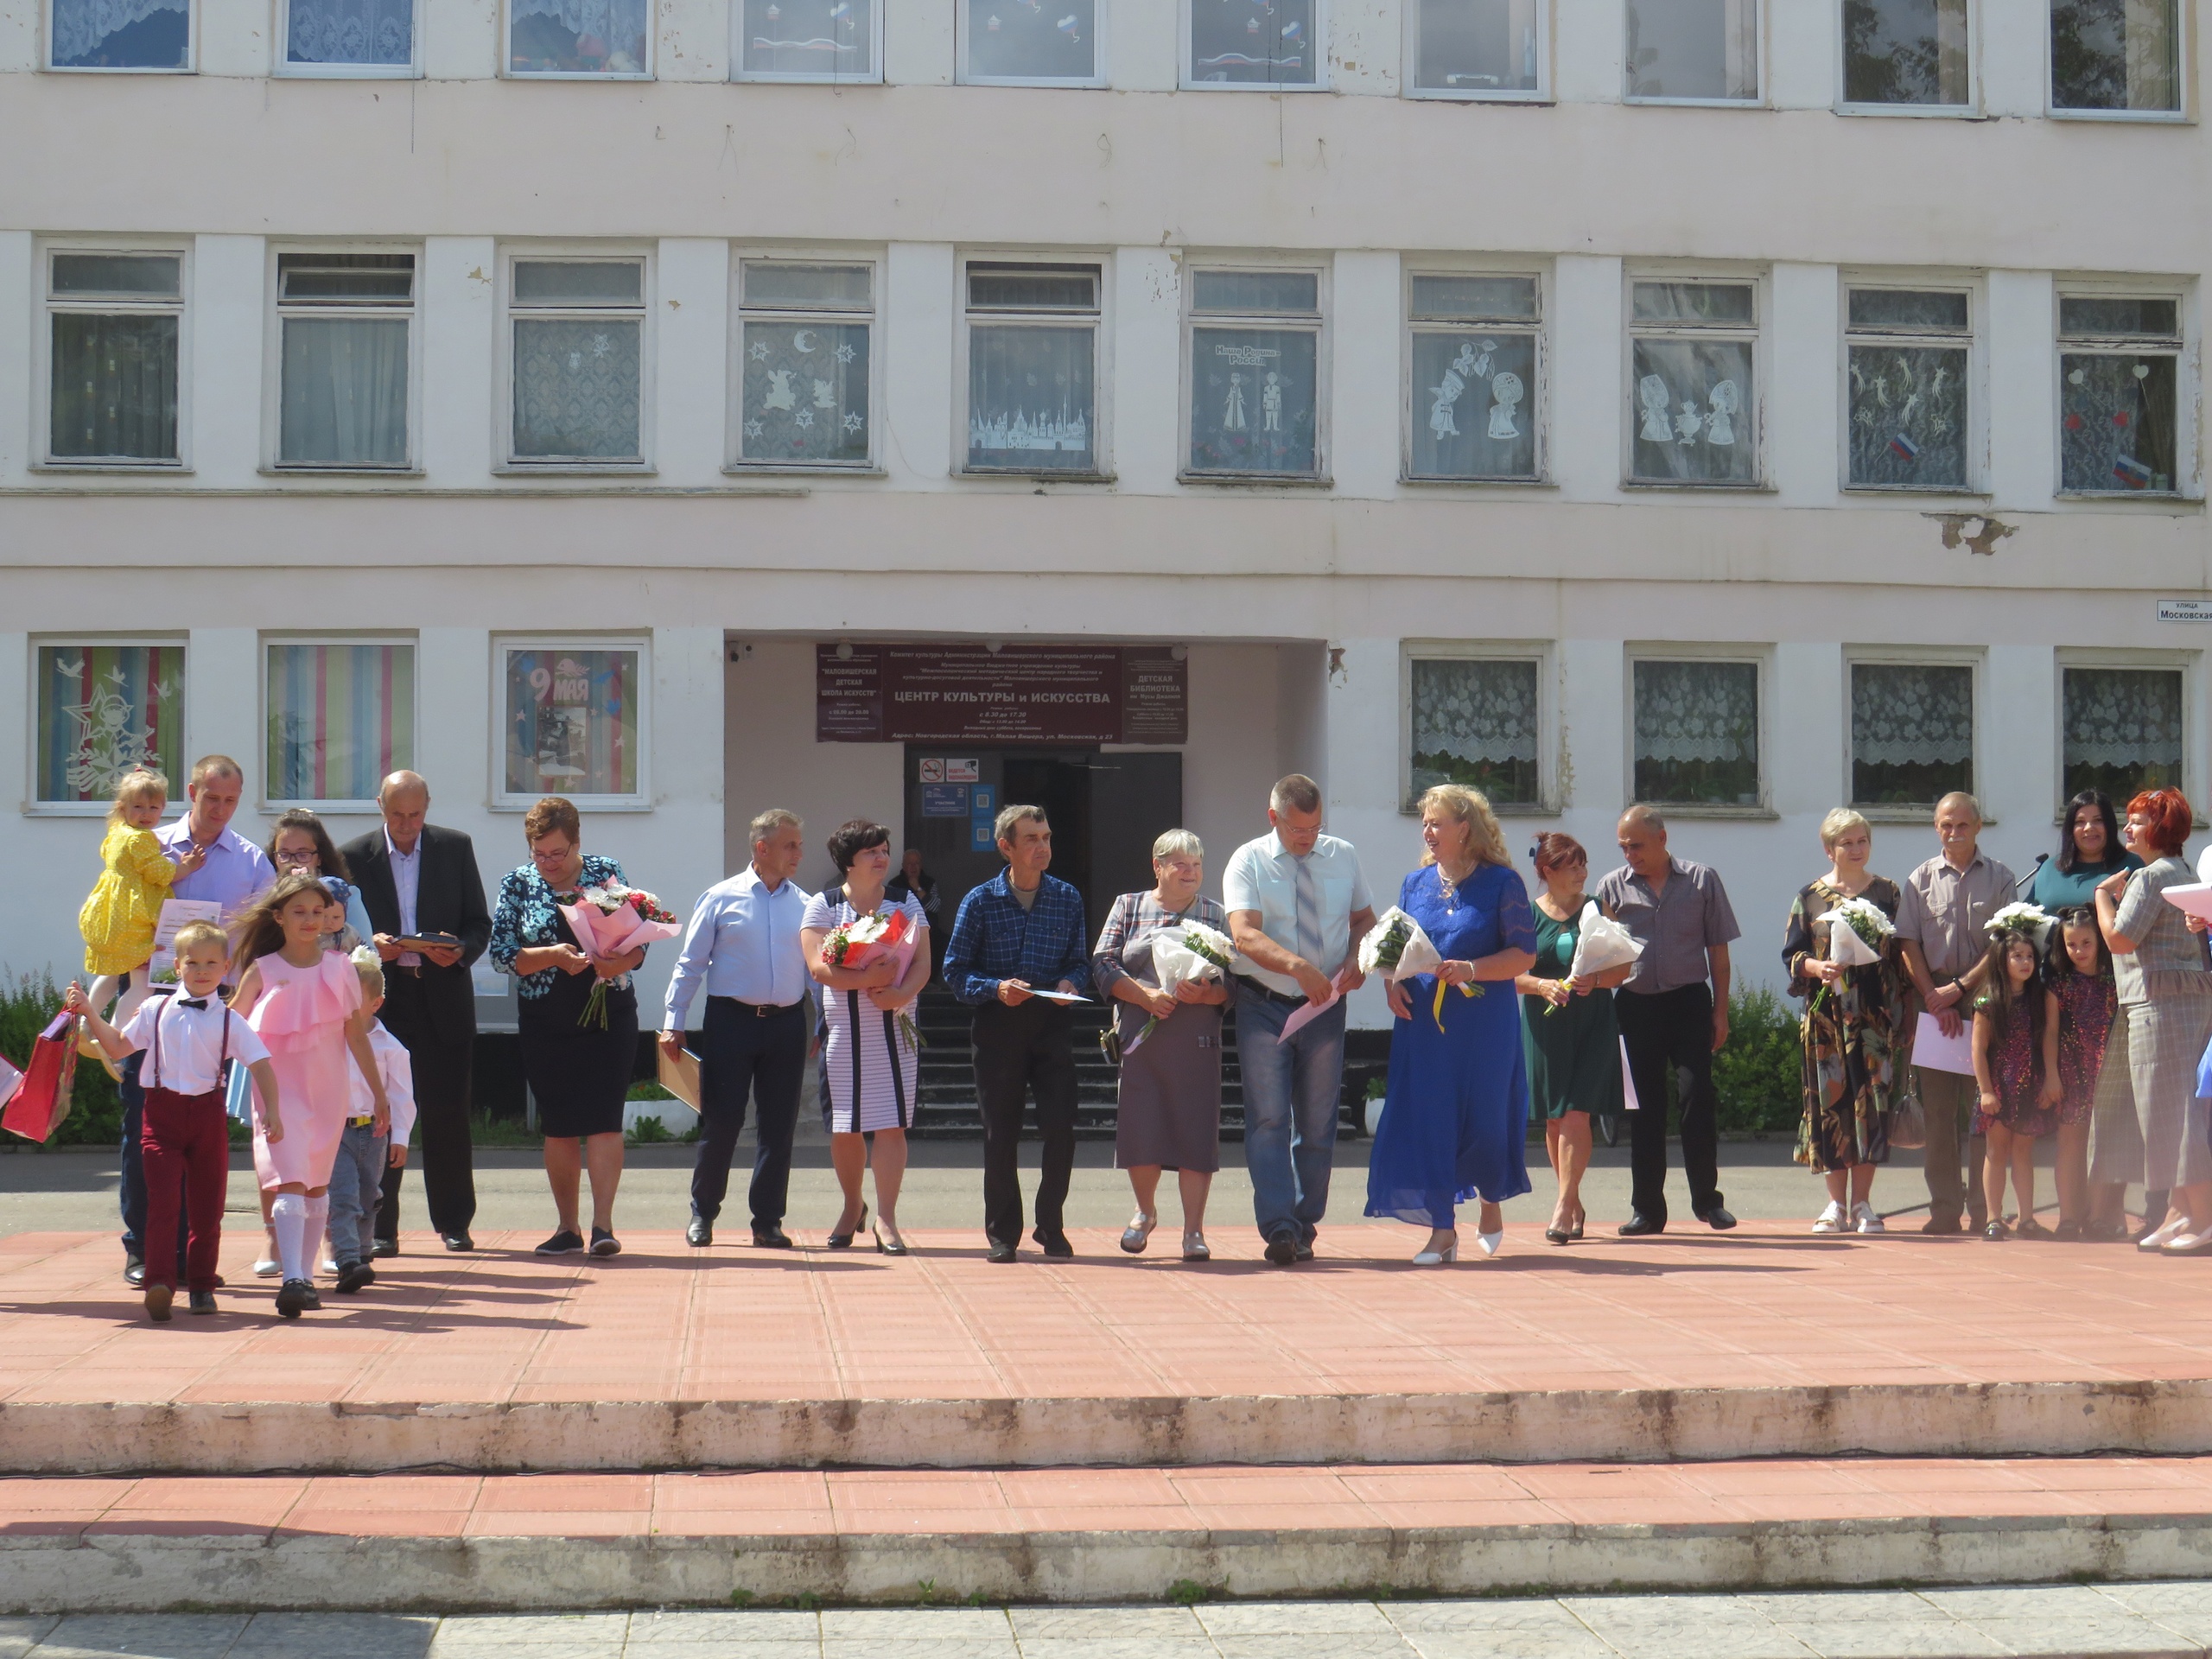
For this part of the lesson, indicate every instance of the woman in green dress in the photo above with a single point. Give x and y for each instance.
(1852, 1037)
(1568, 1030)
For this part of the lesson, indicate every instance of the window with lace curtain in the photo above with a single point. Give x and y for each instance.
(597, 39)
(140, 34)
(2123, 730)
(359, 38)
(1697, 732)
(577, 333)
(1474, 722)
(1911, 732)
(2119, 374)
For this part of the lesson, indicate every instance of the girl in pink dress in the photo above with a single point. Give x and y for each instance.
(304, 1003)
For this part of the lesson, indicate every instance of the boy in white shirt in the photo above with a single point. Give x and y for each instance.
(356, 1179)
(184, 1136)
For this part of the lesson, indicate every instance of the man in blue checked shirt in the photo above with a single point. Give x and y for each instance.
(1019, 931)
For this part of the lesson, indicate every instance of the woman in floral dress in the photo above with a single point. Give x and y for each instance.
(1854, 1059)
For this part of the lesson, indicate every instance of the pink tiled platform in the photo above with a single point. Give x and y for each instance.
(1764, 1340)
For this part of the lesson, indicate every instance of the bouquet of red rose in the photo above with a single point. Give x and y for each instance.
(612, 921)
(867, 940)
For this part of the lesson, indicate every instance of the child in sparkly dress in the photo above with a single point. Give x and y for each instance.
(2089, 1001)
(2016, 1062)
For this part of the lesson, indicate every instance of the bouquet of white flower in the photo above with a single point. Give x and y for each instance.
(1859, 934)
(1397, 947)
(1192, 955)
(2032, 921)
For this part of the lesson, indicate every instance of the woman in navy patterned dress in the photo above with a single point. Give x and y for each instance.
(580, 1075)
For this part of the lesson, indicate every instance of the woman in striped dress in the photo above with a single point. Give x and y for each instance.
(869, 1066)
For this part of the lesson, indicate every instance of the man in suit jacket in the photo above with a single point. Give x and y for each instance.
(416, 879)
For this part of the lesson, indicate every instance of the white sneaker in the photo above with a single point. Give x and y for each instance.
(1832, 1218)
(266, 1268)
(1864, 1220)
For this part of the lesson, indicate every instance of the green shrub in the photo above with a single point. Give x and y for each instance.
(649, 1131)
(1757, 1074)
(27, 1002)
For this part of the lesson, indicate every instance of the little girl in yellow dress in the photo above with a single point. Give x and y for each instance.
(117, 919)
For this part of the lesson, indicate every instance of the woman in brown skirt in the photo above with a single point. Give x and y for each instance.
(1169, 1112)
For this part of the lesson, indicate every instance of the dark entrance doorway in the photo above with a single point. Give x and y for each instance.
(1104, 809)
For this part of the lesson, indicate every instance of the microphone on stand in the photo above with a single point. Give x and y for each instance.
(2041, 859)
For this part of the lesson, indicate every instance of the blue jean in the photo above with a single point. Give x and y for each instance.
(356, 1188)
(1290, 1110)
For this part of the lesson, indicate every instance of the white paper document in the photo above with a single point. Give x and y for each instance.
(1059, 996)
(1932, 1049)
(176, 912)
(2193, 901)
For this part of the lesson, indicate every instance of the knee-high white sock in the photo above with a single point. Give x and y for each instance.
(318, 1223)
(289, 1214)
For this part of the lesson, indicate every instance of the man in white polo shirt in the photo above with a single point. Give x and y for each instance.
(1298, 908)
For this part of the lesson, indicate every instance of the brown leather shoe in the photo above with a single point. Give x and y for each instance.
(1942, 1227)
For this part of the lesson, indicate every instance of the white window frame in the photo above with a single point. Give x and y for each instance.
(1282, 321)
(189, 67)
(1187, 81)
(1102, 430)
(1977, 432)
(1762, 287)
(35, 807)
(508, 72)
(272, 355)
(734, 459)
(2188, 367)
(1971, 108)
(1758, 100)
(1538, 407)
(43, 350)
(271, 802)
(284, 69)
(1974, 660)
(1549, 801)
(961, 77)
(510, 465)
(2190, 663)
(1542, 93)
(739, 72)
(2185, 58)
(581, 640)
(1760, 656)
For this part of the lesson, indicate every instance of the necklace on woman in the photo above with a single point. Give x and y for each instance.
(1451, 887)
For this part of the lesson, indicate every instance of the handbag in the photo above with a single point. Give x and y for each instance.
(1908, 1123)
(1109, 1045)
(41, 1102)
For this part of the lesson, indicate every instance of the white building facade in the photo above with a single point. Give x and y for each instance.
(890, 408)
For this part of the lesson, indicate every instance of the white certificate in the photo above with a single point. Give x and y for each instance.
(1932, 1049)
(176, 912)
(1059, 997)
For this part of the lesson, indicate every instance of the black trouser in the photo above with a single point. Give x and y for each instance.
(744, 1051)
(1018, 1051)
(443, 1067)
(1663, 1030)
(130, 1190)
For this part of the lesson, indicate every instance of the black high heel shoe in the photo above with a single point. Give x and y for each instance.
(844, 1241)
(896, 1246)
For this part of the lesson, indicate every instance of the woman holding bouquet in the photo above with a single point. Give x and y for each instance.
(1853, 1031)
(870, 1058)
(1456, 1114)
(578, 1065)
(1168, 1115)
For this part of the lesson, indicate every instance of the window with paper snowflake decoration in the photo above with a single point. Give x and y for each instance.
(105, 710)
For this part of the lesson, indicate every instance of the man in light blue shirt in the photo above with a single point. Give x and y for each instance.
(236, 872)
(743, 946)
(1298, 908)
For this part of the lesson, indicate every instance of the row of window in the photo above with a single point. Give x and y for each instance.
(1698, 730)
(803, 390)
(2105, 56)
(339, 714)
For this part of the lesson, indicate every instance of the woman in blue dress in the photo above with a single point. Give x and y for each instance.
(1455, 1120)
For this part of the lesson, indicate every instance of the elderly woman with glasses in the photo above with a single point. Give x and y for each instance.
(579, 1072)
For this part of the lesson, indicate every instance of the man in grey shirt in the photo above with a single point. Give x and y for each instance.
(1673, 1013)
(1941, 914)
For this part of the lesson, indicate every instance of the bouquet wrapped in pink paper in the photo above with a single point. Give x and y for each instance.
(867, 940)
(612, 920)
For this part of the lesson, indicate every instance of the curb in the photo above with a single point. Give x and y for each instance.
(1634, 1425)
(116, 1571)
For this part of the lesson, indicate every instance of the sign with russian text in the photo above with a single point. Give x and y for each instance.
(1018, 694)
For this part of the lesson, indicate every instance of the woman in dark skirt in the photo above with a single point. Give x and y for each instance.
(579, 1072)
(1169, 1110)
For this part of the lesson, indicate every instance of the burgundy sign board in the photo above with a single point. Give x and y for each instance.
(1018, 694)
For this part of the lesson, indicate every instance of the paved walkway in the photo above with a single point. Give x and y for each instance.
(2078, 1622)
(1766, 1304)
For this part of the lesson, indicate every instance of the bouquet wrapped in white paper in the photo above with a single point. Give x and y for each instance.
(1396, 947)
(2032, 921)
(1190, 954)
(1600, 944)
(1858, 933)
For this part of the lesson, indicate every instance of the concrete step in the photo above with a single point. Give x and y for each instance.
(435, 1542)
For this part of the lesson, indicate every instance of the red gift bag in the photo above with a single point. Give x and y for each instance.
(42, 1099)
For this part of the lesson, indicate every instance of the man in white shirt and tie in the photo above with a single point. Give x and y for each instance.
(743, 946)
(1298, 908)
